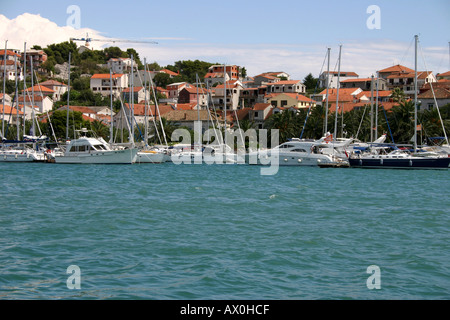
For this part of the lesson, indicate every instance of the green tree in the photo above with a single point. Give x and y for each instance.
(398, 95)
(310, 82)
(58, 120)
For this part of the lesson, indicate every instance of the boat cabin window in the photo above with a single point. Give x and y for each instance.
(298, 150)
(79, 148)
(284, 146)
(99, 147)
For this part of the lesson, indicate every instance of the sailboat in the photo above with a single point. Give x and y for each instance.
(391, 156)
(89, 150)
(19, 150)
(151, 154)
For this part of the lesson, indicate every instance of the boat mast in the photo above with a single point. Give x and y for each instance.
(416, 37)
(32, 97)
(225, 102)
(4, 88)
(371, 112)
(17, 98)
(337, 94)
(24, 86)
(132, 100)
(111, 129)
(145, 105)
(328, 86)
(376, 109)
(68, 101)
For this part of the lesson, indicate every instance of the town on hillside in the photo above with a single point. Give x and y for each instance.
(177, 95)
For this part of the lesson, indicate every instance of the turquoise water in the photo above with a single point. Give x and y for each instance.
(222, 232)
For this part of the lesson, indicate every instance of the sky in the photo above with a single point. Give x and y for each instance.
(262, 36)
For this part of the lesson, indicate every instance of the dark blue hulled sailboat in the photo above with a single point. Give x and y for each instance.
(390, 156)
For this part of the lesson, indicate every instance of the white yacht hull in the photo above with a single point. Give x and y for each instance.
(126, 156)
(150, 157)
(20, 156)
(290, 159)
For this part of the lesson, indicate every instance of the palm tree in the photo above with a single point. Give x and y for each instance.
(401, 120)
(398, 95)
(100, 129)
(432, 125)
(286, 123)
(157, 135)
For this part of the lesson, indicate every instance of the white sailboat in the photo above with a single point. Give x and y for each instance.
(19, 150)
(153, 154)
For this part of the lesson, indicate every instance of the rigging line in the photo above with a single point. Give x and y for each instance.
(434, 96)
(407, 51)
(362, 119)
(157, 110)
(310, 103)
(208, 98)
(147, 104)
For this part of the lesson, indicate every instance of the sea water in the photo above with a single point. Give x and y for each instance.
(214, 232)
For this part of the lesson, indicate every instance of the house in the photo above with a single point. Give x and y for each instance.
(139, 111)
(427, 98)
(250, 96)
(333, 78)
(120, 65)
(8, 66)
(383, 95)
(142, 78)
(189, 95)
(140, 95)
(100, 83)
(8, 99)
(260, 113)
(174, 89)
(58, 88)
(187, 118)
(365, 83)
(445, 75)
(290, 100)
(171, 73)
(288, 86)
(39, 90)
(216, 73)
(38, 57)
(397, 69)
(10, 114)
(399, 76)
(240, 115)
(263, 79)
(345, 95)
(42, 103)
(232, 94)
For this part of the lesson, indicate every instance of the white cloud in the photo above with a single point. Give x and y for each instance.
(36, 30)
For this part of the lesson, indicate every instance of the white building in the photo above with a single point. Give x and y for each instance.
(120, 65)
(333, 78)
(100, 83)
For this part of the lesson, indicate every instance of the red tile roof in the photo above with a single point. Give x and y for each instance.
(396, 68)
(106, 76)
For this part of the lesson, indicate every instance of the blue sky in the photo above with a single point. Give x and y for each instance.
(297, 29)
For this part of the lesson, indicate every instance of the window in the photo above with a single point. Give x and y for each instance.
(298, 150)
